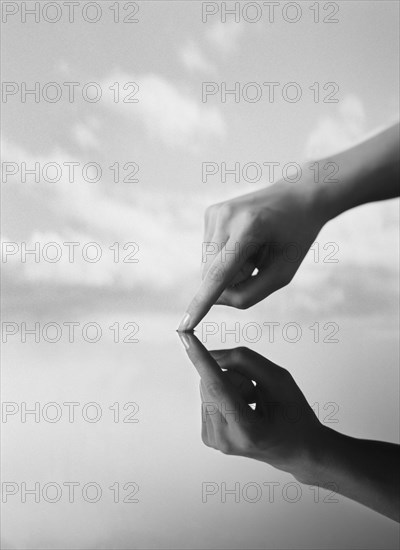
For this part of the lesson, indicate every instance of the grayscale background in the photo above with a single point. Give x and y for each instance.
(169, 133)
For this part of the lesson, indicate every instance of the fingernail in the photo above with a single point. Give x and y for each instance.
(184, 324)
(184, 339)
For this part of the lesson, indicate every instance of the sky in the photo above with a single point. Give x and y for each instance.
(170, 132)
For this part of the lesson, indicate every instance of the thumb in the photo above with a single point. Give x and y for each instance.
(254, 289)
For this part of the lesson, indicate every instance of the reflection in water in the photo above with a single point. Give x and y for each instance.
(253, 408)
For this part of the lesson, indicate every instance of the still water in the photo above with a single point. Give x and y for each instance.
(114, 449)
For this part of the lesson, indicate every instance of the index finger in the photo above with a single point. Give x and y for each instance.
(216, 387)
(221, 272)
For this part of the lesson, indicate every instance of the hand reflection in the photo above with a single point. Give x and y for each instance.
(280, 428)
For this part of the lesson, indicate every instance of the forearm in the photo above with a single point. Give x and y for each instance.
(363, 470)
(367, 172)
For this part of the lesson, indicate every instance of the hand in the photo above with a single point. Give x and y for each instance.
(282, 430)
(270, 231)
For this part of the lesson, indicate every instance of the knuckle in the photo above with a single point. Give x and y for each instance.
(248, 219)
(196, 304)
(225, 447)
(225, 211)
(216, 273)
(210, 211)
(239, 354)
(240, 301)
(214, 389)
(283, 374)
(253, 440)
(245, 303)
(286, 278)
(247, 443)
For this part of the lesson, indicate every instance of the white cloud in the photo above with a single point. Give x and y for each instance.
(63, 67)
(168, 112)
(367, 236)
(334, 134)
(85, 137)
(194, 59)
(224, 36)
(168, 232)
(366, 250)
(84, 212)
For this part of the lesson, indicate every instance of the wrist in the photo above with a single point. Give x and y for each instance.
(321, 197)
(334, 197)
(318, 464)
(365, 173)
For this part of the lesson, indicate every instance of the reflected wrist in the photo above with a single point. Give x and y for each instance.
(318, 464)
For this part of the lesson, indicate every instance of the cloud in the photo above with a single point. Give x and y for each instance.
(194, 60)
(84, 212)
(168, 112)
(169, 232)
(333, 134)
(366, 237)
(363, 279)
(85, 137)
(224, 37)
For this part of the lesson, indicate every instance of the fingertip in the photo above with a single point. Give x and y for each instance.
(184, 339)
(186, 324)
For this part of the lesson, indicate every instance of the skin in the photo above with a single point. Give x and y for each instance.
(283, 430)
(271, 230)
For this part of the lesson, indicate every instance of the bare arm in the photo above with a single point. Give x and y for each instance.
(283, 430)
(259, 226)
(363, 470)
(368, 172)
